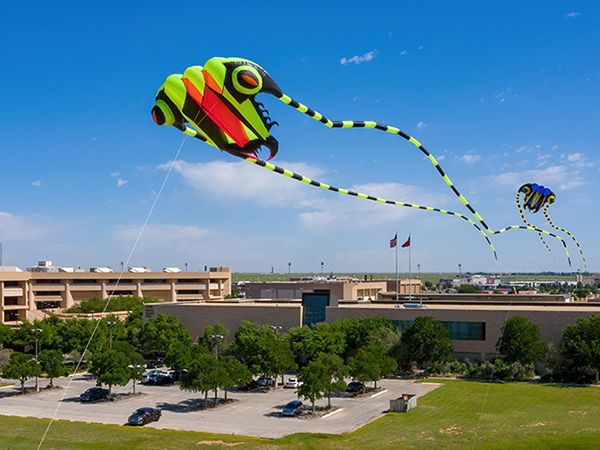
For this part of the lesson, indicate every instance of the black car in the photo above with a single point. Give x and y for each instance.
(293, 408)
(93, 394)
(143, 416)
(158, 378)
(355, 386)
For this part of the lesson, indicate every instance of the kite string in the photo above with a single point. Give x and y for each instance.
(128, 259)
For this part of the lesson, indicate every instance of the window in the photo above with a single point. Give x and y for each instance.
(11, 316)
(11, 301)
(459, 331)
(314, 305)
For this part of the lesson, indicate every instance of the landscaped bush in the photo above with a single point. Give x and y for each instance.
(120, 303)
(499, 370)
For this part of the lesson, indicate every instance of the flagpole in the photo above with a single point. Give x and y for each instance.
(409, 268)
(397, 280)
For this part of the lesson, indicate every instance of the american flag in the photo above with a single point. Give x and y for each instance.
(394, 242)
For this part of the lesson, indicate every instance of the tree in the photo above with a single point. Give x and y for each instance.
(21, 366)
(51, 362)
(25, 336)
(73, 334)
(203, 374)
(263, 350)
(427, 341)
(520, 341)
(160, 332)
(358, 332)
(6, 335)
(111, 367)
(337, 371)
(371, 363)
(468, 289)
(307, 342)
(237, 374)
(581, 344)
(136, 363)
(315, 379)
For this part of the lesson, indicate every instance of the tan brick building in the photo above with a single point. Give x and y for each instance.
(22, 293)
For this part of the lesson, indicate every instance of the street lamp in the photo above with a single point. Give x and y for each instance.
(186, 266)
(36, 332)
(275, 328)
(322, 264)
(214, 337)
(110, 324)
(289, 268)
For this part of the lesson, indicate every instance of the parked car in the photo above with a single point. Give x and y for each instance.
(93, 394)
(142, 416)
(292, 383)
(355, 386)
(265, 382)
(154, 363)
(249, 386)
(292, 409)
(157, 377)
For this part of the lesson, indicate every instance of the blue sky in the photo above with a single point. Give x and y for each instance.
(502, 93)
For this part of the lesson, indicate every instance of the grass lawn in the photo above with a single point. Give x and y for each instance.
(461, 414)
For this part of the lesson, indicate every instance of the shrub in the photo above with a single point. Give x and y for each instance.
(120, 303)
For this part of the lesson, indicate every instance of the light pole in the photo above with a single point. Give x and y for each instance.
(186, 266)
(215, 337)
(36, 332)
(110, 324)
(122, 266)
(275, 328)
(290, 268)
(322, 264)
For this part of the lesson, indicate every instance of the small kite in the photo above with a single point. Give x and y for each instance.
(537, 197)
(218, 101)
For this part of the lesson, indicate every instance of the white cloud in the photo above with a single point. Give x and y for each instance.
(421, 125)
(245, 181)
(575, 157)
(344, 212)
(550, 176)
(359, 59)
(470, 158)
(36, 183)
(170, 233)
(572, 15)
(121, 182)
(14, 227)
(114, 174)
(403, 52)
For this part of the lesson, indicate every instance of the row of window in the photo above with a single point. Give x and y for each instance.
(459, 331)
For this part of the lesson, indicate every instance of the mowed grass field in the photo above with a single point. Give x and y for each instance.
(460, 414)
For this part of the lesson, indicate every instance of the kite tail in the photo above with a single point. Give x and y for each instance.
(522, 214)
(393, 130)
(388, 129)
(568, 233)
(539, 230)
(327, 187)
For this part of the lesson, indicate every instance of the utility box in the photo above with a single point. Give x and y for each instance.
(404, 403)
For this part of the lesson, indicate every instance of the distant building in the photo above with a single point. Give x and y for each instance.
(24, 294)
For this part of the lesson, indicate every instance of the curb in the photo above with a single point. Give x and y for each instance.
(378, 393)
(332, 413)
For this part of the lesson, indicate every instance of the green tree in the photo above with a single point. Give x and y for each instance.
(111, 367)
(371, 363)
(6, 335)
(581, 344)
(160, 332)
(315, 379)
(337, 371)
(22, 367)
(307, 342)
(136, 363)
(179, 355)
(237, 374)
(520, 341)
(427, 341)
(468, 289)
(25, 336)
(204, 374)
(263, 350)
(73, 334)
(358, 332)
(52, 365)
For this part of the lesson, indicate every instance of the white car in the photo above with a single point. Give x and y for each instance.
(292, 383)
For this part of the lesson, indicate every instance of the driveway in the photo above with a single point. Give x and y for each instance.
(253, 414)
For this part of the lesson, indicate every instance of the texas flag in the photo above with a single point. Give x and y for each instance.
(407, 243)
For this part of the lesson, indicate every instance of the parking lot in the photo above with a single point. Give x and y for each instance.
(253, 414)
